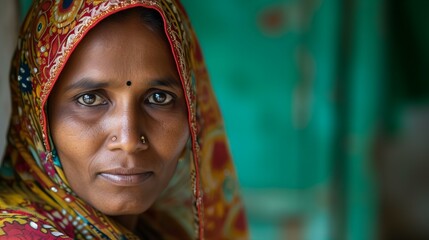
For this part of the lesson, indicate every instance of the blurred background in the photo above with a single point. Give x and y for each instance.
(326, 105)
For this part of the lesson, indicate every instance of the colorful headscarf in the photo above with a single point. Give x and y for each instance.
(202, 200)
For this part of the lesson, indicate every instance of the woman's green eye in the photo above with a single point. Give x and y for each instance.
(160, 98)
(90, 99)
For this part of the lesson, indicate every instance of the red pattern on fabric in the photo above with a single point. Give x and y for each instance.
(220, 153)
(16, 231)
(241, 221)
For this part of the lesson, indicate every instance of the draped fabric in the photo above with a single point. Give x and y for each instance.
(202, 200)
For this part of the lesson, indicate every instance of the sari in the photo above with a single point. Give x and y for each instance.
(202, 200)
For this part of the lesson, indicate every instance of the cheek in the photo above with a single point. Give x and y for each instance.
(69, 136)
(73, 128)
(179, 132)
(171, 141)
(75, 144)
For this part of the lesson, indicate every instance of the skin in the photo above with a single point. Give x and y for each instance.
(96, 119)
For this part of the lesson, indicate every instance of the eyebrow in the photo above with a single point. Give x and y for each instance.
(87, 83)
(166, 82)
(90, 83)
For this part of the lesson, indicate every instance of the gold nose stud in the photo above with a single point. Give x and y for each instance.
(143, 139)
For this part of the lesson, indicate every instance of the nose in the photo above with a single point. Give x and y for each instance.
(127, 131)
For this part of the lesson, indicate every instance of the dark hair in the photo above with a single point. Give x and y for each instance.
(150, 17)
(153, 19)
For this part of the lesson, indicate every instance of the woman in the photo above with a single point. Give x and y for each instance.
(115, 132)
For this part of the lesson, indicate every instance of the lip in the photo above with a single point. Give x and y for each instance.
(126, 176)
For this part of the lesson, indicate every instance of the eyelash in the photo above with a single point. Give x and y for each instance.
(170, 98)
(80, 99)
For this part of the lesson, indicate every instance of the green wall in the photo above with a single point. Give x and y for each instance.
(298, 82)
(267, 86)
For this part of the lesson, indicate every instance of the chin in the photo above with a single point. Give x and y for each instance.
(124, 206)
(123, 210)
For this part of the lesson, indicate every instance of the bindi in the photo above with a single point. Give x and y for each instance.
(128, 83)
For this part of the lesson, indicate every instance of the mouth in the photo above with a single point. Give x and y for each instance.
(126, 177)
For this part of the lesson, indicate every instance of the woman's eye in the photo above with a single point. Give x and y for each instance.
(160, 98)
(90, 99)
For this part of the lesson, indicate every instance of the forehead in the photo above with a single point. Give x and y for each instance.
(121, 45)
(115, 52)
(127, 25)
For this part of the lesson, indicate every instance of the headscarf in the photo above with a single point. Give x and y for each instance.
(202, 199)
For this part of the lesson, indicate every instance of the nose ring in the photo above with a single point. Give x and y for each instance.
(142, 139)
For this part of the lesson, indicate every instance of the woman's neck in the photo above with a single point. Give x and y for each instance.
(128, 221)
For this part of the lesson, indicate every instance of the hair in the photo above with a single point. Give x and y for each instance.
(150, 17)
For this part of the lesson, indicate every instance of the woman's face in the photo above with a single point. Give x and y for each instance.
(120, 83)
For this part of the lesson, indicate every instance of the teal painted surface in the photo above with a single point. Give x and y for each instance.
(24, 5)
(285, 96)
(366, 74)
(268, 89)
